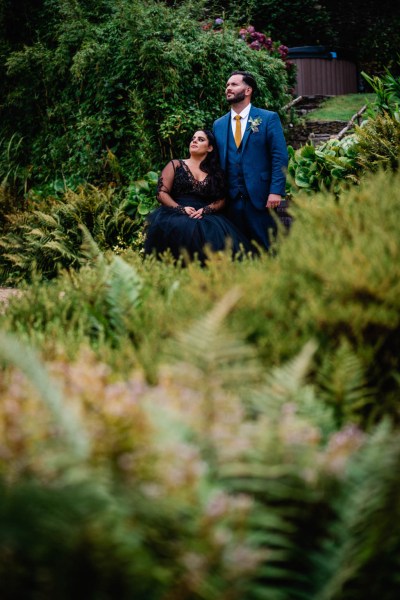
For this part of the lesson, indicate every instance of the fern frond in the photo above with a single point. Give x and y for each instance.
(365, 562)
(287, 385)
(123, 292)
(56, 248)
(46, 219)
(215, 353)
(90, 250)
(343, 384)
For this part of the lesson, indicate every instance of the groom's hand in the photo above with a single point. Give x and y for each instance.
(273, 200)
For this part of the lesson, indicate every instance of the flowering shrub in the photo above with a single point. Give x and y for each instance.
(215, 25)
(259, 41)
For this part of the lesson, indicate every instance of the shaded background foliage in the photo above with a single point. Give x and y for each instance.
(106, 91)
(367, 29)
(201, 441)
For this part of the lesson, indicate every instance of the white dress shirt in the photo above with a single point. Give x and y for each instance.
(244, 117)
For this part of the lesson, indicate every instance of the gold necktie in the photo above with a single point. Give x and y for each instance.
(238, 131)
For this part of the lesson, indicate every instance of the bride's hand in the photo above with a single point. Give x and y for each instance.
(190, 211)
(198, 214)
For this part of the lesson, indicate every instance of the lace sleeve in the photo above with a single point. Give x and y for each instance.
(165, 183)
(209, 210)
(214, 207)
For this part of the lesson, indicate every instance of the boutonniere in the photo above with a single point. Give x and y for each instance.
(254, 123)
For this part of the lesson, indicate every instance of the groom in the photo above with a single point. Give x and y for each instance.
(253, 154)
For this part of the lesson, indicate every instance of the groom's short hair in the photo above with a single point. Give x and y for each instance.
(248, 79)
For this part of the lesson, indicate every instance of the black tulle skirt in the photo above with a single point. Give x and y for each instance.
(167, 228)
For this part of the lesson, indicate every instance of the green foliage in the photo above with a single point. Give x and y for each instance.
(98, 308)
(12, 173)
(11, 351)
(73, 540)
(161, 507)
(238, 472)
(117, 91)
(282, 21)
(336, 289)
(374, 145)
(365, 29)
(141, 197)
(387, 90)
(327, 166)
(47, 240)
(335, 279)
(379, 142)
(366, 553)
(343, 384)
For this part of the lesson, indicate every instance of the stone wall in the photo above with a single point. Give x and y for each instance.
(313, 131)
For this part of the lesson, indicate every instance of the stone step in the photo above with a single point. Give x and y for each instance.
(308, 104)
(332, 127)
(315, 132)
(319, 138)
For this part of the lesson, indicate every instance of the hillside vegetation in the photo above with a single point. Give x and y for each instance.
(172, 431)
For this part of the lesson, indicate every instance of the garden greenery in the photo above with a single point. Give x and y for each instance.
(169, 430)
(116, 91)
(374, 145)
(224, 443)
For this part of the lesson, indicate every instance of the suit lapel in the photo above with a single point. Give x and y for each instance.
(252, 115)
(225, 133)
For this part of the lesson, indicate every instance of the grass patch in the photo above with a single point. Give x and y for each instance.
(340, 108)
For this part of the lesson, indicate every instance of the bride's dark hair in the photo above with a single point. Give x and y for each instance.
(212, 166)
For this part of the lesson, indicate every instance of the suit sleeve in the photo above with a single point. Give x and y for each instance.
(279, 155)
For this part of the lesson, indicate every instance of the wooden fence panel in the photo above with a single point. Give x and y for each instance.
(326, 77)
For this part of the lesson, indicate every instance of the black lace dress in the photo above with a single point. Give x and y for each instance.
(169, 227)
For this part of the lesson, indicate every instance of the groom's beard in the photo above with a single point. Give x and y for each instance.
(238, 98)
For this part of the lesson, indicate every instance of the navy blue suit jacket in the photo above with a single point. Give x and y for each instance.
(264, 154)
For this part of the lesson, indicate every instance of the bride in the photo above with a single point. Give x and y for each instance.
(192, 197)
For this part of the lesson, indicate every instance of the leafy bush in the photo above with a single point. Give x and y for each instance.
(141, 198)
(124, 87)
(200, 486)
(387, 90)
(327, 166)
(47, 235)
(378, 142)
(334, 278)
(374, 145)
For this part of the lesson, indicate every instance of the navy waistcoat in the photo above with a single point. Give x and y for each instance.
(234, 168)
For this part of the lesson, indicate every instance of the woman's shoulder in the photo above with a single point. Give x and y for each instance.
(173, 164)
(176, 162)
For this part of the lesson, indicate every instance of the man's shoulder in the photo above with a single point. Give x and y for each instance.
(222, 119)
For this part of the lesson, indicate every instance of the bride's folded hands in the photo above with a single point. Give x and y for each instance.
(190, 211)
